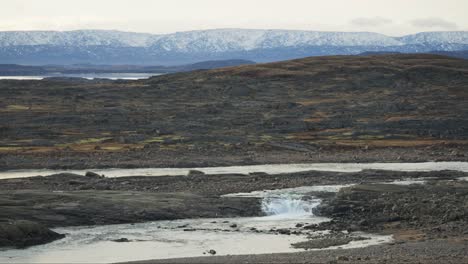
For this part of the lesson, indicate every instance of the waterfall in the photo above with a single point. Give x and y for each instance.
(289, 205)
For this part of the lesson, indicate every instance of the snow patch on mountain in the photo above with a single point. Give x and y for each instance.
(75, 38)
(223, 40)
(451, 37)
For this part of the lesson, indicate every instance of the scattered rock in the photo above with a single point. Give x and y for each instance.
(284, 231)
(195, 173)
(91, 174)
(121, 240)
(337, 239)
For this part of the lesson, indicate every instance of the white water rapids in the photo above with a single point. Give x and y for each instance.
(288, 206)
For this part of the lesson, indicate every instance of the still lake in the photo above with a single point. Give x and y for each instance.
(89, 76)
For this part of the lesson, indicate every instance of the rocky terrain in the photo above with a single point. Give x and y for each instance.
(383, 108)
(24, 233)
(69, 200)
(428, 222)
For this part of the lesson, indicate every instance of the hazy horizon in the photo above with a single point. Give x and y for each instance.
(395, 18)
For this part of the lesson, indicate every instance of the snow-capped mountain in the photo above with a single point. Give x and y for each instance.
(222, 40)
(116, 47)
(450, 37)
(218, 40)
(74, 38)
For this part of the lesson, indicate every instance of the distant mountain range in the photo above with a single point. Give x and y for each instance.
(116, 47)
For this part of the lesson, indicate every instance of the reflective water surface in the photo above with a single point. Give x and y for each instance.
(89, 76)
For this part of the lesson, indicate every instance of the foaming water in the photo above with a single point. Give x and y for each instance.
(289, 206)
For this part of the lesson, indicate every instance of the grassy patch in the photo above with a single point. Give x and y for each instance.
(86, 141)
(318, 101)
(266, 138)
(162, 139)
(9, 149)
(313, 120)
(16, 108)
(19, 108)
(92, 140)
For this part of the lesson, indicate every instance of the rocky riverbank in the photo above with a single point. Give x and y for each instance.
(434, 210)
(70, 200)
(212, 156)
(428, 252)
(429, 224)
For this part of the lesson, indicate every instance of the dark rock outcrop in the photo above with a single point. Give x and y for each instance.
(24, 233)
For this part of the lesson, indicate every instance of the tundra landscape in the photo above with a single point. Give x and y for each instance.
(234, 131)
(351, 109)
(322, 109)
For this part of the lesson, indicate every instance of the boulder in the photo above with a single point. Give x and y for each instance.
(22, 233)
(91, 174)
(195, 173)
(121, 240)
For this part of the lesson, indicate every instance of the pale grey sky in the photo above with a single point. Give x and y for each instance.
(392, 17)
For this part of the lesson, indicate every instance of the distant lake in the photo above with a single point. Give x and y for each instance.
(89, 76)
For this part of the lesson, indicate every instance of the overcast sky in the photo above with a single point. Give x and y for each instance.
(392, 17)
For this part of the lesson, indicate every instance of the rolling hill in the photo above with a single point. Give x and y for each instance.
(341, 108)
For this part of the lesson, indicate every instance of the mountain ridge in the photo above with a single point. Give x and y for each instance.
(44, 37)
(118, 47)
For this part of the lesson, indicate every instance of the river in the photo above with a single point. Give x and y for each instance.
(89, 76)
(268, 168)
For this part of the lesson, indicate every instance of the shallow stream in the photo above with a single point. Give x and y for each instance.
(288, 209)
(268, 168)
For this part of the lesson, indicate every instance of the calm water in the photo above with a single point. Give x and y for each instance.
(270, 168)
(90, 76)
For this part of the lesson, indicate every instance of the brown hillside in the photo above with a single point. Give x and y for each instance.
(311, 106)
